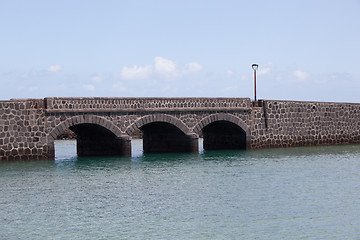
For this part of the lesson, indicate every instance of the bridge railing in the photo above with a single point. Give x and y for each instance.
(144, 104)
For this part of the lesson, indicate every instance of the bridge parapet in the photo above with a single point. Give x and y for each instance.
(144, 104)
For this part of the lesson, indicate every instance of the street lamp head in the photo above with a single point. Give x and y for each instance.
(255, 66)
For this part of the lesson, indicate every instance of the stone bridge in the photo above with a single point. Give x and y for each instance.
(105, 126)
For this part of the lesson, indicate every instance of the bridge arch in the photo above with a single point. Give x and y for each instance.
(95, 136)
(84, 119)
(157, 118)
(224, 131)
(164, 133)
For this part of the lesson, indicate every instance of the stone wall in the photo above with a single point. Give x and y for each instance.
(22, 130)
(28, 127)
(295, 123)
(147, 104)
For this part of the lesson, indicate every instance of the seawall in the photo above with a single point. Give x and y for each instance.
(28, 126)
(301, 123)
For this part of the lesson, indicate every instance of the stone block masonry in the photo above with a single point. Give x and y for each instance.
(295, 123)
(22, 130)
(29, 127)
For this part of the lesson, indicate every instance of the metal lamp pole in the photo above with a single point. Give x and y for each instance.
(255, 67)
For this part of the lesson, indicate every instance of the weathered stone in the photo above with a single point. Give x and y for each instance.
(36, 123)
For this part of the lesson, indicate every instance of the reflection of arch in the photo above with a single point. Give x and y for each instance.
(84, 119)
(157, 118)
(221, 117)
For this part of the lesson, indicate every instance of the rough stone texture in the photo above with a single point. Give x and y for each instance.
(28, 127)
(22, 130)
(294, 123)
(121, 104)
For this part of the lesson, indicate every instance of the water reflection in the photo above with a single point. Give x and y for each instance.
(307, 192)
(306, 152)
(66, 154)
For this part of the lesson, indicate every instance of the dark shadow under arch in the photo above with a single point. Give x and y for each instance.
(163, 137)
(95, 140)
(224, 131)
(221, 135)
(95, 136)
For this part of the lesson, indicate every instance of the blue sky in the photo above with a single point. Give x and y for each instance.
(306, 50)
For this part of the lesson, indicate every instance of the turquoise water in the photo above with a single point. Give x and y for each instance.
(295, 193)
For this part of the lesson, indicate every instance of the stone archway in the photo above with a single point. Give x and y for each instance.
(157, 118)
(96, 136)
(224, 131)
(164, 133)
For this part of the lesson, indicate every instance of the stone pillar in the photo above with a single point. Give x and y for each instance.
(22, 135)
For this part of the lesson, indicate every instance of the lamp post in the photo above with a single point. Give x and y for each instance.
(255, 67)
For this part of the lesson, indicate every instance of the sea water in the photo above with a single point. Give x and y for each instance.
(294, 193)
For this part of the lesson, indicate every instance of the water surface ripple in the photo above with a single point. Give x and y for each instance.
(295, 193)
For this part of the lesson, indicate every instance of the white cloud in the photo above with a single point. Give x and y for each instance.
(246, 78)
(166, 67)
(264, 71)
(89, 87)
(229, 73)
(29, 74)
(162, 67)
(44, 72)
(300, 75)
(5, 74)
(54, 68)
(97, 79)
(192, 67)
(269, 64)
(338, 76)
(135, 72)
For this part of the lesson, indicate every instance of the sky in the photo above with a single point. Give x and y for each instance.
(307, 50)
